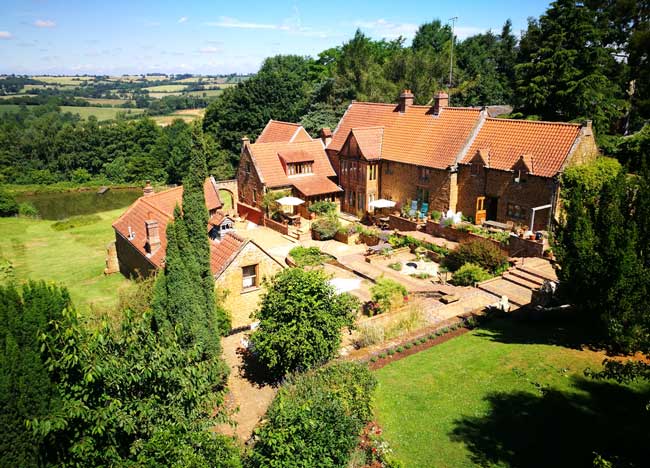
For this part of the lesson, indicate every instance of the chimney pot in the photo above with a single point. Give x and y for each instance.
(326, 135)
(440, 100)
(405, 100)
(148, 189)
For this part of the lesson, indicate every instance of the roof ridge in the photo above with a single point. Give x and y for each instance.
(368, 128)
(285, 122)
(543, 122)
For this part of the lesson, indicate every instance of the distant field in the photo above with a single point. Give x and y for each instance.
(9, 108)
(205, 92)
(188, 115)
(166, 88)
(110, 102)
(102, 113)
(162, 95)
(9, 96)
(64, 80)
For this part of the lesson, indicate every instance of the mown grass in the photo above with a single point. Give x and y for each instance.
(514, 394)
(74, 257)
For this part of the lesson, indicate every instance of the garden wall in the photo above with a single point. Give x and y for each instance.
(518, 247)
(279, 227)
(254, 215)
(402, 224)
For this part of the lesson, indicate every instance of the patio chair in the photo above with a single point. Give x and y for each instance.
(424, 209)
(414, 208)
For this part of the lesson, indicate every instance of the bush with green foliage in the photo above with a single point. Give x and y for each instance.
(315, 418)
(589, 178)
(27, 210)
(397, 266)
(387, 294)
(322, 207)
(481, 252)
(469, 274)
(8, 204)
(308, 256)
(301, 317)
(326, 226)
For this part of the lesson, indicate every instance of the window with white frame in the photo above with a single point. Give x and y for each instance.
(249, 277)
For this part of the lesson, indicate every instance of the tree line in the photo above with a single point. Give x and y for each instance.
(42, 145)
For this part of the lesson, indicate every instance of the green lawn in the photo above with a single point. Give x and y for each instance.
(102, 113)
(74, 257)
(513, 394)
(170, 88)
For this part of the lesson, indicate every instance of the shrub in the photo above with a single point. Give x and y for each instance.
(400, 349)
(408, 345)
(308, 256)
(397, 266)
(387, 294)
(432, 336)
(469, 274)
(326, 227)
(322, 207)
(481, 252)
(391, 351)
(8, 204)
(420, 275)
(316, 416)
(75, 222)
(27, 210)
(374, 359)
(301, 317)
(382, 355)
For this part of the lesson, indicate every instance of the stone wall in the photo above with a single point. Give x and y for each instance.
(518, 247)
(279, 227)
(402, 224)
(399, 182)
(242, 303)
(252, 214)
(530, 192)
(249, 187)
(132, 262)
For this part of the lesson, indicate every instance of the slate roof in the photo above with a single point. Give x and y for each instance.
(416, 136)
(544, 146)
(278, 131)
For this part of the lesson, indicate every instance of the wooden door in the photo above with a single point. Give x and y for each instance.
(480, 215)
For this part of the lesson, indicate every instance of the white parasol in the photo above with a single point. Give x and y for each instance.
(381, 203)
(290, 201)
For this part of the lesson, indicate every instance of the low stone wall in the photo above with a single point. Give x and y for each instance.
(380, 256)
(435, 229)
(402, 224)
(518, 247)
(347, 238)
(252, 214)
(279, 227)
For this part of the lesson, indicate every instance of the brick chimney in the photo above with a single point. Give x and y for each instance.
(405, 100)
(153, 235)
(325, 135)
(440, 100)
(148, 189)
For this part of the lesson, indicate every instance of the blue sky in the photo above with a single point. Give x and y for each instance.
(208, 37)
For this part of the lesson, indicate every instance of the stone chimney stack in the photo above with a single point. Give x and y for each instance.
(153, 234)
(405, 100)
(587, 128)
(440, 100)
(148, 189)
(325, 135)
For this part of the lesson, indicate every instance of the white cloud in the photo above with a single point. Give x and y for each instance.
(6, 35)
(388, 29)
(44, 23)
(183, 19)
(229, 22)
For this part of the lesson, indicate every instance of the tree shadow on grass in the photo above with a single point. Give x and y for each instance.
(556, 428)
(569, 333)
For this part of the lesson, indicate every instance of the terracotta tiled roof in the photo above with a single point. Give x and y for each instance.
(160, 207)
(296, 156)
(545, 145)
(212, 200)
(217, 218)
(277, 131)
(315, 185)
(222, 253)
(416, 136)
(369, 140)
(270, 168)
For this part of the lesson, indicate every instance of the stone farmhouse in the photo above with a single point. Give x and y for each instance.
(457, 158)
(285, 157)
(239, 265)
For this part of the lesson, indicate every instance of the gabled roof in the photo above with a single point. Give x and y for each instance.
(416, 136)
(160, 207)
(314, 185)
(266, 158)
(481, 157)
(544, 145)
(296, 156)
(222, 253)
(278, 131)
(524, 164)
(218, 218)
(370, 141)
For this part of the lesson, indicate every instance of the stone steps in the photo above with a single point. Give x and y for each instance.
(516, 294)
(524, 279)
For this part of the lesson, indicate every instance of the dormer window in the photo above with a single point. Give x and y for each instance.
(299, 168)
(475, 169)
(520, 177)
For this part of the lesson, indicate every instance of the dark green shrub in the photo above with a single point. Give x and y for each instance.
(391, 351)
(481, 252)
(435, 215)
(432, 336)
(469, 274)
(400, 349)
(408, 345)
(308, 256)
(322, 207)
(326, 227)
(382, 355)
(8, 204)
(314, 417)
(374, 359)
(387, 294)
